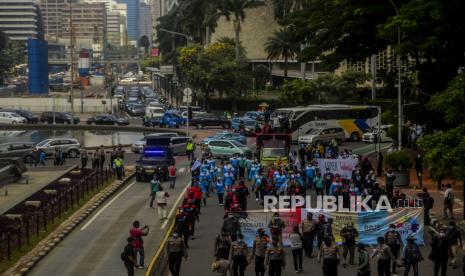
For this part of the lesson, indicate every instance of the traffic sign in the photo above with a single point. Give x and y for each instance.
(187, 92)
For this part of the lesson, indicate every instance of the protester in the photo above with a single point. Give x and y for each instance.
(42, 157)
(296, 240)
(175, 250)
(275, 259)
(136, 234)
(428, 203)
(172, 175)
(129, 257)
(448, 202)
(154, 186)
(161, 198)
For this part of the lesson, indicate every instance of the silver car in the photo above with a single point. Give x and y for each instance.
(69, 146)
(323, 135)
(138, 146)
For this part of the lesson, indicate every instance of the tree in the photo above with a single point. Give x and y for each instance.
(144, 43)
(235, 9)
(261, 74)
(11, 53)
(149, 62)
(323, 90)
(214, 68)
(282, 44)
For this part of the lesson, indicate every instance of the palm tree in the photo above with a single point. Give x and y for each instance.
(282, 44)
(282, 8)
(236, 10)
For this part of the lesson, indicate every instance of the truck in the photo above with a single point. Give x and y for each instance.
(273, 148)
(156, 158)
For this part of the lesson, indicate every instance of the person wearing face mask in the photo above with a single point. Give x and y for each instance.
(389, 184)
(308, 230)
(276, 226)
(275, 259)
(419, 168)
(440, 252)
(260, 245)
(349, 235)
(238, 256)
(385, 256)
(175, 250)
(411, 256)
(394, 241)
(363, 268)
(329, 257)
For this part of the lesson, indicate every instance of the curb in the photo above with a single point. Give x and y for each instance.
(49, 243)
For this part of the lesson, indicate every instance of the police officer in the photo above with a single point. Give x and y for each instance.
(276, 226)
(260, 245)
(175, 249)
(238, 255)
(308, 230)
(275, 259)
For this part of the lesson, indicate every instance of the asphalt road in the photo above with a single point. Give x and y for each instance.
(201, 249)
(94, 248)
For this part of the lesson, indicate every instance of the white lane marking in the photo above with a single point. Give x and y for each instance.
(163, 226)
(181, 170)
(106, 205)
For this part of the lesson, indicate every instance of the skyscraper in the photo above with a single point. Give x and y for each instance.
(20, 19)
(133, 19)
(145, 21)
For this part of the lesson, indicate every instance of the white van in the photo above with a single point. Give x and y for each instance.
(154, 111)
(11, 118)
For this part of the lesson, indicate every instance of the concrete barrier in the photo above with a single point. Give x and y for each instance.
(89, 128)
(41, 104)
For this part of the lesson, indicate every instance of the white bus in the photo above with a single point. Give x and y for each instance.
(354, 119)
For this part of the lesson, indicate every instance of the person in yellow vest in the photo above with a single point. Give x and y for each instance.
(119, 167)
(190, 148)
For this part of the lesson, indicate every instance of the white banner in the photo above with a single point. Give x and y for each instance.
(341, 166)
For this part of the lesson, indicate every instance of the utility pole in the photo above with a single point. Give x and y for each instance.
(71, 38)
(373, 76)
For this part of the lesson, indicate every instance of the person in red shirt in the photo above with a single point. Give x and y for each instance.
(136, 234)
(172, 175)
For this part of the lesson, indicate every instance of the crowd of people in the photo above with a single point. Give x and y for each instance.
(229, 182)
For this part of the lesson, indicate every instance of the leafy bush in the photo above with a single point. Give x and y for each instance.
(399, 160)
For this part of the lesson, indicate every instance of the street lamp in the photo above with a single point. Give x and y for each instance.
(188, 38)
(399, 87)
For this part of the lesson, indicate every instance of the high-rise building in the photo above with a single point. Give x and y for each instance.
(20, 19)
(145, 21)
(132, 19)
(113, 28)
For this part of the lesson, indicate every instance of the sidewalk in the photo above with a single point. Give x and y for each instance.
(21, 190)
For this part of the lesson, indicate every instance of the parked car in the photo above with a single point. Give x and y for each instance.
(209, 119)
(31, 117)
(15, 149)
(136, 110)
(225, 149)
(226, 135)
(154, 111)
(69, 146)
(250, 125)
(323, 135)
(11, 118)
(256, 115)
(371, 135)
(138, 146)
(60, 118)
(107, 119)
